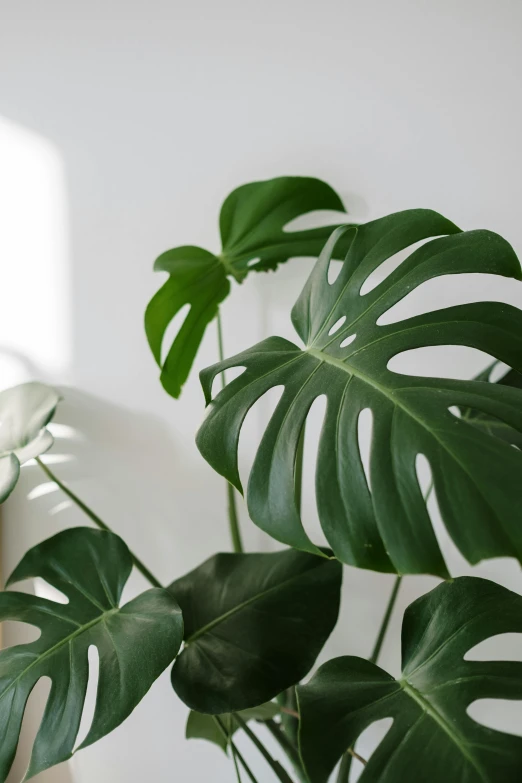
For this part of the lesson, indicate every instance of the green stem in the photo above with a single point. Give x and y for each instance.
(344, 770)
(386, 620)
(278, 769)
(235, 750)
(391, 604)
(233, 521)
(289, 748)
(96, 519)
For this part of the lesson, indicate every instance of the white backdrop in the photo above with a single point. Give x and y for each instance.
(123, 126)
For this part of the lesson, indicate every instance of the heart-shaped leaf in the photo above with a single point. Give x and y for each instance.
(25, 410)
(135, 643)
(253, 236)
(202, 726)
(432, 737)
(383, 525)
(254, 625)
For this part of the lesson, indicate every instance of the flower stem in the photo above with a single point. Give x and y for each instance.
(278, 769)
(233, 521)
(96, 519)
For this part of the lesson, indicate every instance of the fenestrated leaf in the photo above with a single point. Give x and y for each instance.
(135, 643)
(489, 423)
(384, 526)
(252, 224)
(25, 410)
(432, 738)
(254, 625)
(203, 726)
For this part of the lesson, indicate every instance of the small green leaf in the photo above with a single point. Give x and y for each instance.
(135, 643)
(432, 737)
(25, 410)
(254, 625)
(253, 235)
(202, 726)
(383, 523)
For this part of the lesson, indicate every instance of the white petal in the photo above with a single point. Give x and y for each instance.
(24, 412)
(9, 472)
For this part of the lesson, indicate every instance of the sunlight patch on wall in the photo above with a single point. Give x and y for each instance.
(35, 324)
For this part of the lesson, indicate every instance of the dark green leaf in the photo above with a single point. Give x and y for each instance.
(432, 738)
(135, 643)
(254, 625)
(202, 726)
(252, 223)
(491, 424)
(476, 475)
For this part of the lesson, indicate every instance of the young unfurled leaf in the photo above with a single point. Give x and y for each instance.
(384, 524)
(135, 643)
(253, 236)
(203, 726)
(254, 625)
(432, 737)
(25, 410)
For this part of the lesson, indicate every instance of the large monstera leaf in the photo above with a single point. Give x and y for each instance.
(432, 738)
(25, 410)
(254, 625)
(252, 225)
(135, 643)
(384, 525)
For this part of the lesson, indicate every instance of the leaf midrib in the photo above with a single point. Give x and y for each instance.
(430, 710)
(57, 646)
(239, 607)
(350, 370)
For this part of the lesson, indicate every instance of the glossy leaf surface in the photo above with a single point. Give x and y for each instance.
(432, 737)
(135, 643)
(383, 524)
(254, 625)
(252, 225)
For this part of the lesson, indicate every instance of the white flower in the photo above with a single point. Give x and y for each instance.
(25, 411)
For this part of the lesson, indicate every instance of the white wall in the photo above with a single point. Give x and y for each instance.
(155, 111)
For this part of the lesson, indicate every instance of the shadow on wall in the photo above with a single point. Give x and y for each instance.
(108, 455)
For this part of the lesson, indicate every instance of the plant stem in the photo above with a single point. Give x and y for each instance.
(278, 769)
(96, 519)
(386, 620)
(289, 748)
(391, 603)
(344, 770)
(234, 749)
(233, 521)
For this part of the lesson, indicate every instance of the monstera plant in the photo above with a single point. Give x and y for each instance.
(243, 630)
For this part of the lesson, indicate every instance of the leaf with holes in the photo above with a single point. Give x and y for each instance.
(252, 225)
(384, 525)
(135, 643)
(491, 424)
(432, 737)
(254, 625)
(203, 726)
(25, 410)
